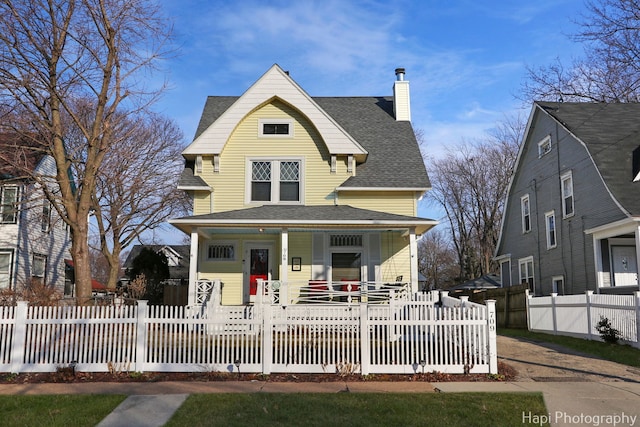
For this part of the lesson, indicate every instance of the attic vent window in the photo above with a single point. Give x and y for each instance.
(342, 240)
(276, 128)
(544, 146)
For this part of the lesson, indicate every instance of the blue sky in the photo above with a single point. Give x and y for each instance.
(465, 59)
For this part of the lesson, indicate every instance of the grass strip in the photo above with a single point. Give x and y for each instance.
(358, 409)
(76, 410)
(618, 353)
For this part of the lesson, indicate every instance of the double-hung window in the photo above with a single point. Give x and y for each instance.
(8, 204)
(526, 213)
(567, 194)
(39, 268)
(526, 271)
(550, 220)
(275, 181)
(6, 258)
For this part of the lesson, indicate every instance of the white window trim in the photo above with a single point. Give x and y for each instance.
(522, 215)
(547, 215)
(232, 243)
(546, 142)
(526, 261)
(555, 279)
(10, 272)
(262, 122)
(563, 178)
(275, 180)
(46, 216)
(2, 195)
(43, 258)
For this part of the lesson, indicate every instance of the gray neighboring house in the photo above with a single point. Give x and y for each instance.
(34, 241)
(572, 214)
(177, 259)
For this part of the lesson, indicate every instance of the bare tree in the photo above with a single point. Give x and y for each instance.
(470, 184)
(610, 68)
(62, 61)
(136, 188)
(437, 260)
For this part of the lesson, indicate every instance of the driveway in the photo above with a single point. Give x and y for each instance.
(544, 362)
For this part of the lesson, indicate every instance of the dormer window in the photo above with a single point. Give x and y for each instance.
(544, 146)
(271, 128)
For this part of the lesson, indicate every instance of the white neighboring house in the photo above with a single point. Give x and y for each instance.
(34, 241)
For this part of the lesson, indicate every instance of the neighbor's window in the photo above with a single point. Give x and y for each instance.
(221, 252)
(544, 146)
(275, 181)
(46, 216)
(567, 194)
(5, 269)
(9, 204)
(526, 271)
(526, 214)
(550, 220)
(557, 285)
(38, 267)
(276, 127)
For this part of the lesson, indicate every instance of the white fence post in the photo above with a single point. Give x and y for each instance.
(527, 298)
(142, 313)
(636, 298)
(554, 314)
(267, 338)
(365, 353)
(589, 321)
(492, 346)
(19, 336)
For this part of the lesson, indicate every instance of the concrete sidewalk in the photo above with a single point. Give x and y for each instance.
(568, 403)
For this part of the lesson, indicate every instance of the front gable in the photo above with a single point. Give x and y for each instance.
(274, 85)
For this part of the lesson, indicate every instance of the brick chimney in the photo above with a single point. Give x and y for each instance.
(401, 100)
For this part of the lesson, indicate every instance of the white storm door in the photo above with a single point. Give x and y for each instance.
(625, 267)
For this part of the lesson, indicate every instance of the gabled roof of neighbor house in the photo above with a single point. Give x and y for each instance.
(389, 153)
(610, 134)
(303, 217)
(176, 272)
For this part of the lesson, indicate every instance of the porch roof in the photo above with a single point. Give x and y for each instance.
(293, 216)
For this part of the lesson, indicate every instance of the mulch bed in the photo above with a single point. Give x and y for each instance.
(67, 375)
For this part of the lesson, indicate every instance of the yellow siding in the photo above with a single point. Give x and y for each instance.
(400, 203)
(229, 183)
(394, 251)
(201, 202)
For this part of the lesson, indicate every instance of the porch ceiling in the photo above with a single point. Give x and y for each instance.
(304, 218)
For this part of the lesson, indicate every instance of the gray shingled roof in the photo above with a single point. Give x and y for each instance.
(287, 213)
(611, 132)
(394, 158)
(189, 179)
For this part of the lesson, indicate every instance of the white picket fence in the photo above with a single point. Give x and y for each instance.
(578, 315)
(405, 336)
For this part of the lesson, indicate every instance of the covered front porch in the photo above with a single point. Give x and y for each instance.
(315, 253)
(617, 256)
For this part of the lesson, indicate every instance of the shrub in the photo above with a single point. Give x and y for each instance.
(607, 332)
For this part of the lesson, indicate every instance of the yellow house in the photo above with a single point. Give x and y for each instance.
(292, 188)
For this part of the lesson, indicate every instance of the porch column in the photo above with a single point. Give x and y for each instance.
(284, 262)
(193, 267)
(597, 256)
(413, 253)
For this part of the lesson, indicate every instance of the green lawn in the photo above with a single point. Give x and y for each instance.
(56, 410)
(358, 409)
(618, 353)
(286, 409)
